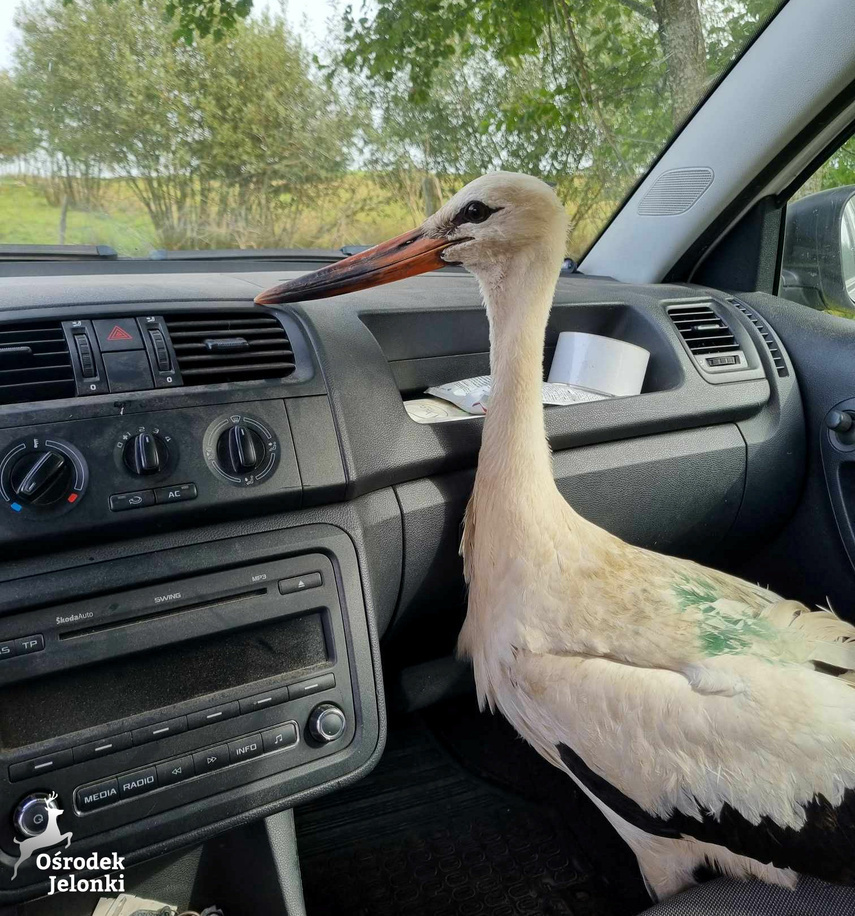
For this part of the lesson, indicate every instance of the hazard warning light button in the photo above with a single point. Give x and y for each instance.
(118, 334)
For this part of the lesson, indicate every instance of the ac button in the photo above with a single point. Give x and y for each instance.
(180, 492)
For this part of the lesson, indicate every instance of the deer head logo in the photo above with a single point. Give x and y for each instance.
(50, 836)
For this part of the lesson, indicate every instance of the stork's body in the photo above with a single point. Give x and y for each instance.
(678, 698)
(686, 703)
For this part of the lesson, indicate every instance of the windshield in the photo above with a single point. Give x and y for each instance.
(314, 126)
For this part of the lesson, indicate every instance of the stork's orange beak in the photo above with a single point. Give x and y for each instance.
(403, 256)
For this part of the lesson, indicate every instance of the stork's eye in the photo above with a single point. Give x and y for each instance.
(474, 212)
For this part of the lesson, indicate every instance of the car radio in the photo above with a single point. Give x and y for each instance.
(141, 703)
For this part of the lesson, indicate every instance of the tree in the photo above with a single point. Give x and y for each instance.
(682, 37)
(61, 90)
(839, 170)
(583, 93)
(486, 117)
(199, 18)
(229, 138)
(416, 36)
(220, 142)
(16, 139)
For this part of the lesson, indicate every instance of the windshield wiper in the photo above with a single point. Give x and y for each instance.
(323, 255)
(57, 252)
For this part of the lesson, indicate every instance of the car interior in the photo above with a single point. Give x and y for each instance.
(230, 584)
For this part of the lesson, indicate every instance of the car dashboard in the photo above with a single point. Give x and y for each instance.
(218, 520)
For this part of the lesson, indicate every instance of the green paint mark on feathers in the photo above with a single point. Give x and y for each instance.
(726, 627)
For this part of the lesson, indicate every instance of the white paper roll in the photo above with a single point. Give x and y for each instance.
(601, 364)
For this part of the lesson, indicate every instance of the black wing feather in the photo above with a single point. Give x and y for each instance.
(824, 847)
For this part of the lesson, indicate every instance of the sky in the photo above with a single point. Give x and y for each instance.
(307, 16)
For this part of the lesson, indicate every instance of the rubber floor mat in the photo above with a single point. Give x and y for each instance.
(422, 836)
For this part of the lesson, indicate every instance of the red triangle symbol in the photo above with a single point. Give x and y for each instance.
(119, 334)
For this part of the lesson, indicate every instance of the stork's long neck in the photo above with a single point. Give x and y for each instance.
(514, 454)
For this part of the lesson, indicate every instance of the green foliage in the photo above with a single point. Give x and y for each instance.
(206, 17)
(200, 17)
(577, 92)
(416, 37)
(222, 142)
(16, 137)
(229, 136)
(840, 168)
(730, 24)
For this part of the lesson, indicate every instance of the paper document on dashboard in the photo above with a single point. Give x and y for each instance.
(473, 394)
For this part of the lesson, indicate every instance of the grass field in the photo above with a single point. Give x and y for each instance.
(27, 217)
(358, 210)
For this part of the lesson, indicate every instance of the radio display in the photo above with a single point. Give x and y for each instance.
(116, 688)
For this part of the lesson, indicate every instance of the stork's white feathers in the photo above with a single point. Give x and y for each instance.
(709, 719)
(674, 695)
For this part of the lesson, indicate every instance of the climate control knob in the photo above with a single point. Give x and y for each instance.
(145, 454)
(41, 478)
(327, 722)
(240, 450)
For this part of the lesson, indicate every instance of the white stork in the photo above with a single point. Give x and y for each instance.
(700, 713)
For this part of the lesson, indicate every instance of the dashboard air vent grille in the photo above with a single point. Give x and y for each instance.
(34, 363)
(704, 331)
(774, 349)
(235, 346)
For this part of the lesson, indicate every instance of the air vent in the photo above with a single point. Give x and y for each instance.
(244, 346)
(34, 363)
(774, 349)
(707, 337)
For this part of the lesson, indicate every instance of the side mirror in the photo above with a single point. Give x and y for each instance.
(818, 264)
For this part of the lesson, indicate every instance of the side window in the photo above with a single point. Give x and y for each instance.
(818, 263)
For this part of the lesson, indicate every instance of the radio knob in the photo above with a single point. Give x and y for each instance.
(41, 478)
(327, 722)
(32, 815)
(240, 449)
(145, 454)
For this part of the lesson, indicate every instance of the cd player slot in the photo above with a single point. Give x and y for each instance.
(171, 611)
